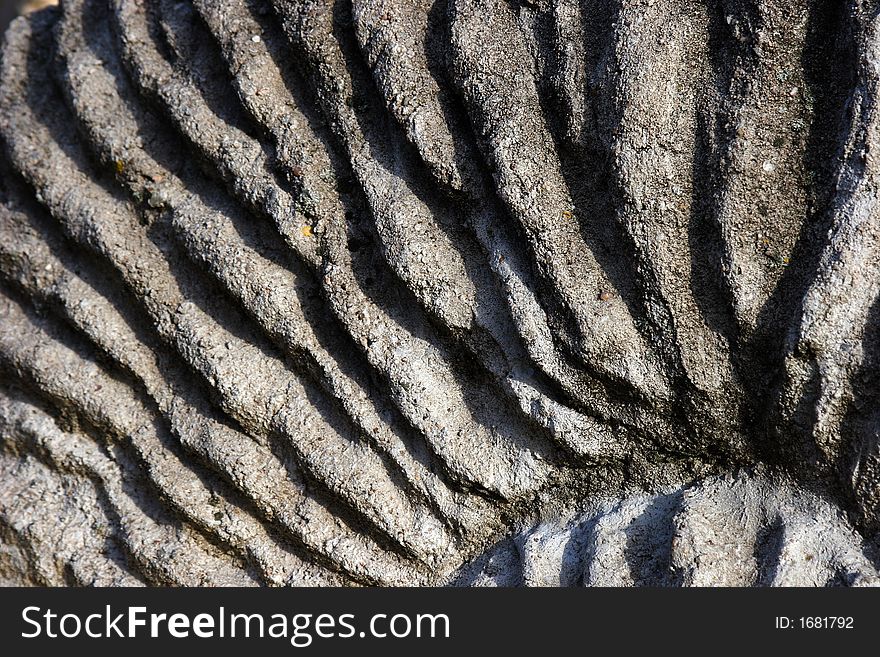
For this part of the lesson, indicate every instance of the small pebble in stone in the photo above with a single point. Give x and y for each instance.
(157, 199)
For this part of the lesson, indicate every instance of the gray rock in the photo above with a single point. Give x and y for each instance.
(319, 292)
(743, 529)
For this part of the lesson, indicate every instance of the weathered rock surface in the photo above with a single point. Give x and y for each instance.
(317, 292)
(744, 529)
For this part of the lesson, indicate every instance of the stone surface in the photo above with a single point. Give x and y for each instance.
(319, 292)
(742, 529)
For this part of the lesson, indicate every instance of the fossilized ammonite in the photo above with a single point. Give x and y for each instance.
(440, 291)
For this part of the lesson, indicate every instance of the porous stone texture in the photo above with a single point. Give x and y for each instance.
(377, 292)
(741, 529)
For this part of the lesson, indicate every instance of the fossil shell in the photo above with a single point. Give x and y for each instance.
(352, 292)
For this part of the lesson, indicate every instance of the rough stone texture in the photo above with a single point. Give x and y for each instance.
(743, 529)
(321, 292)
(9, 9)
